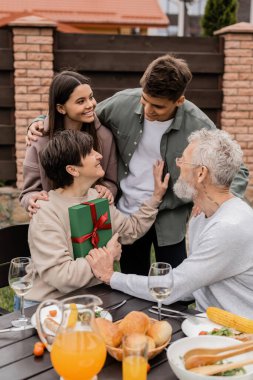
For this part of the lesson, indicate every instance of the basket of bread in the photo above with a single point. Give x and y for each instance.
(158, 333)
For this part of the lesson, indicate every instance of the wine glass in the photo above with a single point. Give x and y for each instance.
(21, 281)
(160, 282)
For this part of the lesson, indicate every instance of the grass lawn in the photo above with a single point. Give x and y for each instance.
(6, 298)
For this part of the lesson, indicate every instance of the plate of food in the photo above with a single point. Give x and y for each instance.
(207, 327)
(51, 317)
(203, 327)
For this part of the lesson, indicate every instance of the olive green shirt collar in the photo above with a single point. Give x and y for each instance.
(175, 124)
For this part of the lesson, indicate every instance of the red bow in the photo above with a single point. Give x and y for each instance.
(99, 224)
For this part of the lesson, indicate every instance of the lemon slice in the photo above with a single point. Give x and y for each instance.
(73, 315)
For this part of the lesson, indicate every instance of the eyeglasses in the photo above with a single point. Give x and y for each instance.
(180, 161)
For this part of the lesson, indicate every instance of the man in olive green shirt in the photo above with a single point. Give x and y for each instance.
(152, 123)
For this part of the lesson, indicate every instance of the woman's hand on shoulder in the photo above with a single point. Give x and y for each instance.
(33, 206)
(35, 129)
(104, 192)
(196, 210)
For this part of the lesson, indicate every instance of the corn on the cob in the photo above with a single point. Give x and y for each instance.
(227, 319)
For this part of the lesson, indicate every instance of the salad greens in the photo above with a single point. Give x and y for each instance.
(231, 372)
(224, 331)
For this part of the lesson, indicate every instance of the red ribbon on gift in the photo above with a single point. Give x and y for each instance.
(99, 224)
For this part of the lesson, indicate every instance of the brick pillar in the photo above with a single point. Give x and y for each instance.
(33, 64)
(237, 108)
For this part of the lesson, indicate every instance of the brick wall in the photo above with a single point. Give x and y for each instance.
(33, 64)
(237, 110)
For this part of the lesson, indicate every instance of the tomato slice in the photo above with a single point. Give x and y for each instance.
(203, 333)
(53, 313)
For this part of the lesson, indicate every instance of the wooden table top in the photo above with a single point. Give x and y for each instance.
(17, 361)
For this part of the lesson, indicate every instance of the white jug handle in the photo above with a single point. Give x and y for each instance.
(41, 331)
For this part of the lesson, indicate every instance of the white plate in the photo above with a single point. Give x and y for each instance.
(45, 313)
(191, 329)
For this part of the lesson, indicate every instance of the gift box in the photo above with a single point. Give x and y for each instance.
(90, 225)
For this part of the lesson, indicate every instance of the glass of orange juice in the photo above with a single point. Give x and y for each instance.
(135, 350)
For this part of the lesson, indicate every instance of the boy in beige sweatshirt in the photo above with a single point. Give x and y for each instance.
(73, 166)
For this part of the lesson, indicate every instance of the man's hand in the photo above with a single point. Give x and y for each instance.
(35, 129)
(101, 262)
(160, 186)
(114, 247)
(33, 206)
(196, 210)
(104, 192)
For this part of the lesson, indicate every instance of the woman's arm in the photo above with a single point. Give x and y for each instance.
(34, 178)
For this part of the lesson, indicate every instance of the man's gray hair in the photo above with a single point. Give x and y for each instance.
(217, 151)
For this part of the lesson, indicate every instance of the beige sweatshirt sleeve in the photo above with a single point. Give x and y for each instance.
(34, 176)
(136, 225)
(51, 256)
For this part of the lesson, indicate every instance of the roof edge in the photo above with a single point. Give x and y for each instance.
(30, 20)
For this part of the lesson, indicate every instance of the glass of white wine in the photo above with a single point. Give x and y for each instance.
(21, 281)
(160, 282)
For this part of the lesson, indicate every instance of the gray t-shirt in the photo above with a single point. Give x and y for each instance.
(219, 269)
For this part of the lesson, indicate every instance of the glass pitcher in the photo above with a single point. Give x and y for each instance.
(77, 350)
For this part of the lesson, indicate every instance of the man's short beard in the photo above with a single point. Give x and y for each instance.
(184, 190)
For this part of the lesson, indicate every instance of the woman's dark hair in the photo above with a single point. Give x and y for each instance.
(66, 147)
(62, 86)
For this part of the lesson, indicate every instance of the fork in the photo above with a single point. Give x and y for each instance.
(178, 313)
(114, 307)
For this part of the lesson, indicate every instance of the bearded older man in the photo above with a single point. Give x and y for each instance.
(219, 268)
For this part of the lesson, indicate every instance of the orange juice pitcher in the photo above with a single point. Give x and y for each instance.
(77, 351)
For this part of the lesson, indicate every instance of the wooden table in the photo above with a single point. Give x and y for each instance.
(18, 362)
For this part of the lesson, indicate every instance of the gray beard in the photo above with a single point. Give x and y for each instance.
(183, 190)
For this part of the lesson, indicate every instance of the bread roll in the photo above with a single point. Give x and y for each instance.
(109, 331)
(160, 331)
(51, 324)
(134, 322)
(151, 343)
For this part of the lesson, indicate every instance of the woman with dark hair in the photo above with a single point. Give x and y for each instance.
(71, 106)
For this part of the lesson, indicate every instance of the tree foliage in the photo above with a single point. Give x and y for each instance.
(218, 13)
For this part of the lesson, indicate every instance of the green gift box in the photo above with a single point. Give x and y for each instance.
(90, 225)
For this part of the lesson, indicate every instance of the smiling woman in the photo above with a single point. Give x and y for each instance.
(71, 106)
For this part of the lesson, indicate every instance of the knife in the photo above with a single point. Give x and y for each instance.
(165, 315)
(183, 314)
(16, 328)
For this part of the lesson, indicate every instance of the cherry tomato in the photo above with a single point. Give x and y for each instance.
(148, 367)
(53, 313)
(203, 333)
(38, 349)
